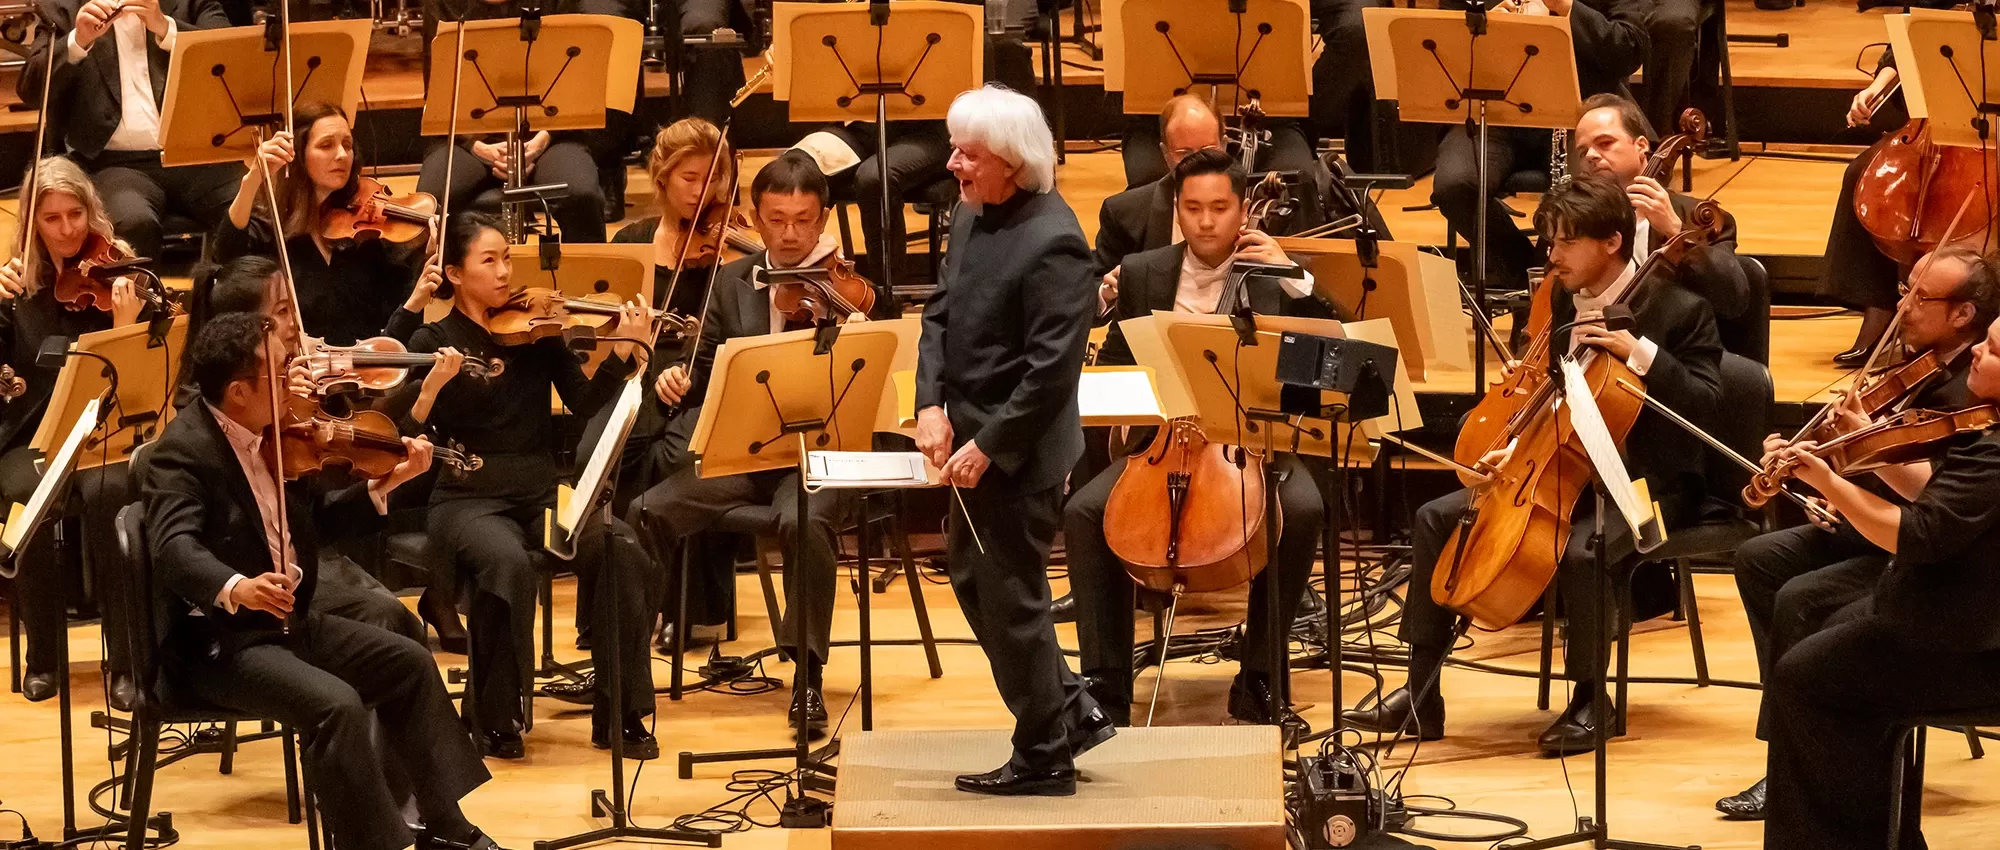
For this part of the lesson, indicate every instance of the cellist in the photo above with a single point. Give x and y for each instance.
(1208, 188)
(1793, 579)
(1674, 346)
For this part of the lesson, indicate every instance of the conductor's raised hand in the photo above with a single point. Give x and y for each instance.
(934, 435)
(672, 385)
(270, 593)
(966, 466)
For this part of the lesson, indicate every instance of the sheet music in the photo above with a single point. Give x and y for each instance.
(866, 469)
(56, 470)
(601, 457)
(1117, 394)
(1589, 424)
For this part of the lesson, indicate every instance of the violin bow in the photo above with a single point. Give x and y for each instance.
(26, 222)
(275, 357)
(707, 186)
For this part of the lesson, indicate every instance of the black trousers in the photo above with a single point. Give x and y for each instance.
(1429, 626)
(1103, 588)
(1791, 581)
(1842, 699)
(138, 192)
(1856, 273)
(580, 212)
(1672, 29)
(46, 587)
(492, 548)
(710, 75)
(916, 156)
(330, 683)
(1343, 85)
(687, 504)
(1455, 189)
(346, 590)
(1004, 592)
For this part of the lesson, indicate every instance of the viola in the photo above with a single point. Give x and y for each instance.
(1905, 437)
(372, 213)
(377, 365)
(1912, 188)
(83, 282)
(365, 442)
(11, 385)
(805, 300)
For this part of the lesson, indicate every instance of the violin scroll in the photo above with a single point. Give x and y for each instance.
(11, 385)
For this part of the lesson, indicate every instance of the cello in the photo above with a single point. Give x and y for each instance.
(1505, 549)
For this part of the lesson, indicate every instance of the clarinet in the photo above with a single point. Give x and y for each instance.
(1558, 159)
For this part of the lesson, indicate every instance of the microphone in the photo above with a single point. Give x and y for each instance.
(113, 271)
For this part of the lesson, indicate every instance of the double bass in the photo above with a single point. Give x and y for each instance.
(1912, 188)
(1505, 550)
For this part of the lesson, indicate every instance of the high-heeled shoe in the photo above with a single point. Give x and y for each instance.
(1874, 322)
(442, 615)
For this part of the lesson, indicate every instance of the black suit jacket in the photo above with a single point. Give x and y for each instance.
(1686, 375)
(1715, 274)
(86, 98)
(1004, 334)
(203, 526)
(1150, 281)
(1137, 219)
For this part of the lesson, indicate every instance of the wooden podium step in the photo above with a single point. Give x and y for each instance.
(1178, 787)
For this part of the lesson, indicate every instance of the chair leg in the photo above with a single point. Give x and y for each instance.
(1906, 803)
(146, 746)
(312, 823)
(1548, 648)
(901, 541)
(1692, 607)
(228, 763)
(1973, 743)
(678, 646)
(14, 634)
(548, 621)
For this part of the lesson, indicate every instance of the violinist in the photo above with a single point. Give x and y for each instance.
(490, 520)
(1927, 641)
(1793, 579)
(791, 203)
(226, 580)
(684, 163)
(1612, 138)
(68, 217)
(1189, 277)
(1674, 346)
(348, 288)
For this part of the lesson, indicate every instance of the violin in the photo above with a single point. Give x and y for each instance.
(1905, 437)
(1912, 188)
(807, 300)
(367, 443)
(1504, 552)
(83, 282)
(376, 366)
(537, 313)
(11, 385)
(372, 213)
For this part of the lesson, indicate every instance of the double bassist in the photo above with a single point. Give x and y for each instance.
(1674, 347)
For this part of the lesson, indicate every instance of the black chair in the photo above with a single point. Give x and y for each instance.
(934, 199)
(1750, 336)
(1906, 808)
(158, 703)
(1722, 524)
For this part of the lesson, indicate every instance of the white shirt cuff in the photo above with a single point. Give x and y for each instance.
(1641, 360)
(75, 53)
(166, 42)
(223, 600)
(1297, 287)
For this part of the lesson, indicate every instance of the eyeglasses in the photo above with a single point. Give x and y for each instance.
(1903, 289)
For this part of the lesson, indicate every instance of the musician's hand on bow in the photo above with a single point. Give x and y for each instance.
(1107, 290)
(1862, 109)
(966, 465)
(1652, 203)
(270, 593)
(13, 282)
(1489, 463)
(126, 305)
(92, 19)
(299, 378)
(1811, 468)
(425, 290)
(673, 384)
(1619, 343)
(1258, 246)
(274, 154)
(1827, 521)
(934, 435)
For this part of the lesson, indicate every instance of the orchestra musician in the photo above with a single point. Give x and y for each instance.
(790, 200)
(683, 165)
(1610, 40)
(490, 520)
(1793, 579)
(1926, 641)
(1613, 138)
(227, 581)
(110, 81)
(348, 289)
(1856, 273)
(1188, 276)
(997, 372)
(1142, 218)
(1674, 346)
(68, 212)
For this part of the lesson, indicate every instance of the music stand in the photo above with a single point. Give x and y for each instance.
(1417, 291)
(517, 89)
(769, 404)
(589, 503)
(918, 59)
(1160, 49)
(223, 82)
(1444, 67)
(140, 378)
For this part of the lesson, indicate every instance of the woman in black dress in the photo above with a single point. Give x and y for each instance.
(491, 520)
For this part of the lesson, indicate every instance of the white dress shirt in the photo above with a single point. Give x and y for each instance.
(139, 114)
(1200, 289)
(250, 453)
(1641, 359)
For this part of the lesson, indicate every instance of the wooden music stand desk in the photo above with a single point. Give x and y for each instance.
(148, 375)
(222, 85)
(576, 67)
(1155, 50)
(1416, 291)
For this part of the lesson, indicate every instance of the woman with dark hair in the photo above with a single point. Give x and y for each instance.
(347, 289)
(490, 520)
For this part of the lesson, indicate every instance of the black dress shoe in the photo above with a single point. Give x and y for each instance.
(38, 686)
(582, 691)
(1250, 702)
(1745, 805)
(501, 745)
(1574, 732)
(583, 641)
(479, 841)
(1391, 715)
(123, 693)
(640, 745)
(1063, 610)
(1112, 689)
(1005, 781)
(1094, 728)
(809, 707)
(1852, 357)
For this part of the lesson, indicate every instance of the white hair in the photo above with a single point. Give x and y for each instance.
(1009, 124)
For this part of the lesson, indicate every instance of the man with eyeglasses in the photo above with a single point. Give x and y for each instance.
(1794, 579)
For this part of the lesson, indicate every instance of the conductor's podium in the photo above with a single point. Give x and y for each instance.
(1164, 787)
